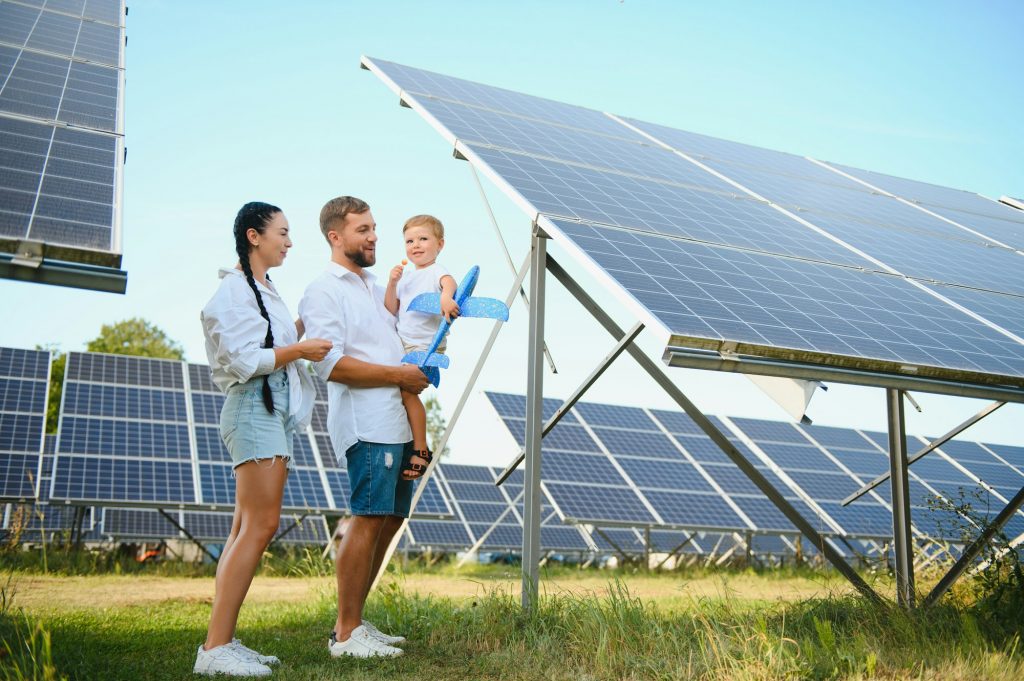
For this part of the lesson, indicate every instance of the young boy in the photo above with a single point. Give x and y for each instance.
(424, 239)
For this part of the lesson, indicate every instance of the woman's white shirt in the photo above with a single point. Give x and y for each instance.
(235, 331)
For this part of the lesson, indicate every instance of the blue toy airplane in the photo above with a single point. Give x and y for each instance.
(429, 362)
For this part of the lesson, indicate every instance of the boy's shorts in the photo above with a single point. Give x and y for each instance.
(375, 479)
(409, 347)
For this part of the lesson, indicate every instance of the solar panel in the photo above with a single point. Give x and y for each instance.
(111, 453)
(24, 386)
(61, 141)
(708, 241)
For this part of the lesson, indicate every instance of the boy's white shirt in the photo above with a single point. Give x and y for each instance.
(418, 328)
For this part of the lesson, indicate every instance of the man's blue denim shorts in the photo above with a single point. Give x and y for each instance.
(249, 431)
(375, 479)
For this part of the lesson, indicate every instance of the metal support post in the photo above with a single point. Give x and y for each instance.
(614, 546)
(927, 449)
(901, 534)
(712, 431)
(647, 547)
(534, 421)
(972, 551)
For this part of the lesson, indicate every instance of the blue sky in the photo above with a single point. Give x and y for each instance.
(228, 102)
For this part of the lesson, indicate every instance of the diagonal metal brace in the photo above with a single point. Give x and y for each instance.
(713, 432)
(173, 521)
(925, 450)
(972, 551)
(623, 343)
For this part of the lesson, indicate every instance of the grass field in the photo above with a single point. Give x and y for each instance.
(468, 625)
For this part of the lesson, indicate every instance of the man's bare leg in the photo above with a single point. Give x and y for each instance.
(353, 570)
(392, 524)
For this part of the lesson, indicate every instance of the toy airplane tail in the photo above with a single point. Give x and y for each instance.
(421, 359)
(430, 364)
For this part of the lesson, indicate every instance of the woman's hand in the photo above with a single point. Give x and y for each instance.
(314, 349)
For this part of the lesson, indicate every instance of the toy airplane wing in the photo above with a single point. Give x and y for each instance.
(426, 302)
(484, 307)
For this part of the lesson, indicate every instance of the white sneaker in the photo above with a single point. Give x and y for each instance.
(387, 639)
(259, 657)
(227, 659)
(361, 644)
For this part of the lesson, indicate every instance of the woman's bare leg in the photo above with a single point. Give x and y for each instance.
(259, 487)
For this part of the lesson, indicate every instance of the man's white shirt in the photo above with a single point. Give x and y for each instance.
(348, 310)
(235, 331)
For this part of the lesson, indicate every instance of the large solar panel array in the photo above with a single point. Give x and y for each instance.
(726, 245)
(24, 386)
(144, 432)
(61, 128)
(656, 468)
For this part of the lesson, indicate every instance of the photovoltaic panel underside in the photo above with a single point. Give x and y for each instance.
(61, 128)
(729, 246)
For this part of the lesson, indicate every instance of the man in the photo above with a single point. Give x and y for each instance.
(366, 420)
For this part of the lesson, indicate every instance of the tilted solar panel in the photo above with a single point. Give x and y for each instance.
(61, 142)
(728, 246)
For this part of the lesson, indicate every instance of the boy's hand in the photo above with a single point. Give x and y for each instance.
(396, 273)
(450, 309)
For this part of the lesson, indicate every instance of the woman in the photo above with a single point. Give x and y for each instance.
(253, 347)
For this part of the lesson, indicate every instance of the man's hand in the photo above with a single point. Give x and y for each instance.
(450, 309)
(314, 349)
(411, 379)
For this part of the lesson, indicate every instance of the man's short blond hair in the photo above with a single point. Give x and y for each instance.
(425, 221)
(335, 210)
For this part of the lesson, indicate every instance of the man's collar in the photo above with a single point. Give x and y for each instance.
(341, 272)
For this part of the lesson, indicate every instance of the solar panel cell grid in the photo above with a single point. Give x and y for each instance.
(768, 305)
(585, 502)
(693, 509)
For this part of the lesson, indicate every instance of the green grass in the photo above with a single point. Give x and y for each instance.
(611, 635)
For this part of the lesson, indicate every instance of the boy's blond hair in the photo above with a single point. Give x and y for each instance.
(425, 221)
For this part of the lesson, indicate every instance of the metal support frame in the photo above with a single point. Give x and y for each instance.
(903, 544)
(705, 425)
(615, 547)
(534, 423)
(972, 551)
(676, 550)
(576, 395)
(932, 446)
(173, 521)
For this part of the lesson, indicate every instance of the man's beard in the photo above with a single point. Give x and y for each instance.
(357, 257)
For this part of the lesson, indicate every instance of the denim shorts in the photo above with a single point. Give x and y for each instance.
(375, 479)
(249, 431)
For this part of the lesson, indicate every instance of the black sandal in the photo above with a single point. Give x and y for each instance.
(416, 470)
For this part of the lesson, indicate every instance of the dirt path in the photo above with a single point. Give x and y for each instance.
(38, 592)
